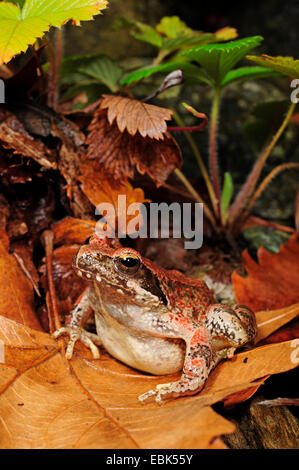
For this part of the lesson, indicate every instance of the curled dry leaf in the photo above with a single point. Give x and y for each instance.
(271, 283)
(91, 403)
(119, 153)
(71, 230)
(13, 135)
(136, 116)
(99, 189)
(17, 299)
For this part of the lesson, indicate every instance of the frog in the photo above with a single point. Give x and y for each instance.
(155, 320)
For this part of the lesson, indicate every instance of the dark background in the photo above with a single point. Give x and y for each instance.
(276, 20)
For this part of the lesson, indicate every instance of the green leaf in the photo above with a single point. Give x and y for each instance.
(285, 65)
(21, 27)
(147, 34)
(95, 68)
(269, 238)
(219, 59)
(183, 40)
(172, 26)
(105, 70)
(69, 68)
(227, 193)
(247, 73)
(192, 73)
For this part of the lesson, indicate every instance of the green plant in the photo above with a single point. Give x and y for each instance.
(215, 69)
(206, 59)
(22, 22)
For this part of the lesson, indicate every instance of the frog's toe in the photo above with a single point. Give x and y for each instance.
(147, 395)
(161, 391)
(75, 334)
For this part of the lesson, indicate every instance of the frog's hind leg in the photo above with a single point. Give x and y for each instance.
(197, 365)
(230, 326)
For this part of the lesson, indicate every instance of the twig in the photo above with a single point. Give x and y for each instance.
(47, 239)
(250, 184)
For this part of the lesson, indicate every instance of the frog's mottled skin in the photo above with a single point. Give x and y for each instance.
(155, 320)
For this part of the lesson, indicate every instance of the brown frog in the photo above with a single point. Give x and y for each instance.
(154, 320)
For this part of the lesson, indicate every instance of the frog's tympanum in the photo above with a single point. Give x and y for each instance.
(154, 320)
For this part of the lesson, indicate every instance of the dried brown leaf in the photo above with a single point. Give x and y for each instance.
(119, 153)
(271, 283)
(17, 299)
(71, 230)
(91, 403)
(136, 116)
(13, 135)
(99, 189)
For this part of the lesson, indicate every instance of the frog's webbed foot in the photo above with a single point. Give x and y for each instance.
(77, 333)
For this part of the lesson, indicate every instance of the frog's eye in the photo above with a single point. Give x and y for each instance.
(127, 263)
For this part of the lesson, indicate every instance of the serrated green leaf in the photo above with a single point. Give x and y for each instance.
(21, 27)
(182, 40)
(147, 34)
(247, 73)
(227, 193)
(172, 26)
(69, 68)
(285, 65)
(105, 70)
(192, 73)
(219, 59)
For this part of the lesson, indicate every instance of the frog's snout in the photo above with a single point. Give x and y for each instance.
(85, 263)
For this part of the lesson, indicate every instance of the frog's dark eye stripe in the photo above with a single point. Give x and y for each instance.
(127, 263)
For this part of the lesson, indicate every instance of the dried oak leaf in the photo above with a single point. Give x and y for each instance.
(271, 283)
(87, 403)
(98, 188)
(136, 116)
(71, 230)
(13, 135)
(17, 299)
(119, 153)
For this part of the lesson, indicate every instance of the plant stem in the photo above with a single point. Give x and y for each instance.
(213, 149)
(161, 55)
(262, 187)
(200, 161)
(196, 196)
(250, 184)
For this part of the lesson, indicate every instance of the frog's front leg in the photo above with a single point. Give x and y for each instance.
(75, 328)
(197, 364)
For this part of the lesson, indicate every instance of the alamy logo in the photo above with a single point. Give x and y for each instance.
(151, 221)
(2, 92)
(295, 93)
